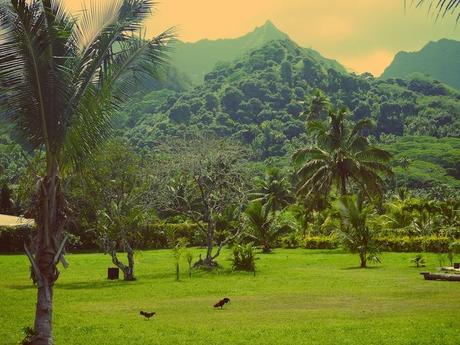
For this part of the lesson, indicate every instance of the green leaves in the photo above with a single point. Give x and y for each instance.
(341, 153)
(65, 76)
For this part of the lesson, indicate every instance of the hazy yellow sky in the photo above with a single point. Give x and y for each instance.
(363, 35)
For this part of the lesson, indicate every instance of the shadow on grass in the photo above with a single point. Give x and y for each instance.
(77, 285)
(361, 268)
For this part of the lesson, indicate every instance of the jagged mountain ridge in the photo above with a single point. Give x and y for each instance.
(439, 60)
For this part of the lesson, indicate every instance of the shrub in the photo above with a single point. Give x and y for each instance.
(414, 244)
(419, 260)
(244, 257)
(290, 241)
(12, 238)
(433, 244)
(320, 242)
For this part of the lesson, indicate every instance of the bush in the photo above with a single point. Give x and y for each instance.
(12, 238)
(414, 244)
(244, 257)
(290, 241)
(433, 244)
(320, 242)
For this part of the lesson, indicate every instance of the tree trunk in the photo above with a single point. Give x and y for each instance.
(47, 249)
(43, 316)
(128, 271)
(266, 248)
(343, 185)
(363, 259)
(129, 275)
(209, 243)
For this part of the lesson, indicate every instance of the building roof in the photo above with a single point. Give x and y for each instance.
(6, 220)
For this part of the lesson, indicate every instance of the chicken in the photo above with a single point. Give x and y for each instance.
(222, 302)
(147, 315)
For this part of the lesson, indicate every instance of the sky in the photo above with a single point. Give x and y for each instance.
(363, 35)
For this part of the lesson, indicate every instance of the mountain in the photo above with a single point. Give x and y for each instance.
(197, 59)
(439, 60)
(261, 100)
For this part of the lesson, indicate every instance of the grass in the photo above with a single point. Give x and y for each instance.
(297, 297)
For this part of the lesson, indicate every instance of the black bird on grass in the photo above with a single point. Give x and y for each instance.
(222, 302)
(147, 315)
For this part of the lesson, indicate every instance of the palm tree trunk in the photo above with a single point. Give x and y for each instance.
(43, 315)
(343, 185)
(363, 259)
(47, 249)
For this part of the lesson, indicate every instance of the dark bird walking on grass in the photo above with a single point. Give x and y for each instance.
(222, 302)
(147, 315)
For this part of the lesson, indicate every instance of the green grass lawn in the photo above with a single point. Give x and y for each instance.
(297, 297)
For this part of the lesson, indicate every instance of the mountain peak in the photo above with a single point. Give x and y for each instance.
(437, 59)
(269, 32)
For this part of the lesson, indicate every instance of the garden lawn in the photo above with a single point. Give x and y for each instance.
(297, 297)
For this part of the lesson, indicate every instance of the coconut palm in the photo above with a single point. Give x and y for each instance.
(356, 231)
(319, 106)
(63, 78)
(273, 190)
(261, 223)
(342, 153)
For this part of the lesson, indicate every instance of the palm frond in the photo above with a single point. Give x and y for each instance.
(440, 8)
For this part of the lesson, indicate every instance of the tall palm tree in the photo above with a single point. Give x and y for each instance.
(63, 77)
(341, 153)
(274, 190)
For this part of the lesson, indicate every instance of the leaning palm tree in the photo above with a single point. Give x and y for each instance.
(273, 190)
(342, 153)
(63, 78)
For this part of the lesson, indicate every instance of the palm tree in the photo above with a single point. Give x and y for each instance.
(342, 153)
(274, 190)
(319, 106)
(63, 77)
(260, 221)
(355, 231)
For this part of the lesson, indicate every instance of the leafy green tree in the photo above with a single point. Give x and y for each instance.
(340, 155)
(117, 182)
(231, 99)
(64, 77)
(202, 179)
(356, 231)
(211, 102)
(6, 203)
(180, 113)
(286, 72)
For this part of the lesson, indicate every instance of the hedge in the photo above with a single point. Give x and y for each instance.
(12, 238)
(155, 236)
(162, 235)
(390, 244)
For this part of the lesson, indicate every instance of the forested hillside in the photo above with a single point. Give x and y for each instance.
(438, 59)
(262, 99)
